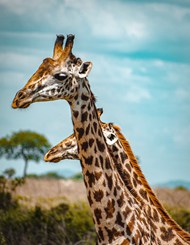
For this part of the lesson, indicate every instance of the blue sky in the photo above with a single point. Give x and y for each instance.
(141, 69)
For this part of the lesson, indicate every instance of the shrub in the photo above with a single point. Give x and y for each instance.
(181, 188)
(64, 224)
(79, 224)
(77, 176)
(181, 216)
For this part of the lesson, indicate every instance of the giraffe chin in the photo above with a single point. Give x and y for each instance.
(23, 106)
(55, 160)
(47, 158)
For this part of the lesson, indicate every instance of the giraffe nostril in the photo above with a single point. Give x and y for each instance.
(20, 95)
(53, 151)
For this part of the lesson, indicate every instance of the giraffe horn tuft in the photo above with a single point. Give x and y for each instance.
(68, 47)
(58, 47)
(70, 39)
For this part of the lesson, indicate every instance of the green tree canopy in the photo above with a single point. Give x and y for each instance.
(26, 145)
(9, 172)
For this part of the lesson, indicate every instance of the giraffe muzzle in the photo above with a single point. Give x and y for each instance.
(20, 101)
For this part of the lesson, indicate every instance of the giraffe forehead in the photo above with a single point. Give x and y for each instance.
(43, 71)
(50, 67)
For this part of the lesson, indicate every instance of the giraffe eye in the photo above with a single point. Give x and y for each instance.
(60, 76)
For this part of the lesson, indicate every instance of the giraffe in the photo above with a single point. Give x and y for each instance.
(120, 215)
(67, 149)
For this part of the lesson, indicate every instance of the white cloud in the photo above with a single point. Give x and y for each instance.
(106, 26)
(26, 34)
(136, 30)
(11, 80)
(114, 26)
(13, 61)
(136, 94)
(22, 7)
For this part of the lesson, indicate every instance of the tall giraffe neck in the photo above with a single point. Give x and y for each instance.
(107, 195)
(162, 228)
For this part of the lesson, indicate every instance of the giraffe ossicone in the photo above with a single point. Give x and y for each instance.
(121, 207)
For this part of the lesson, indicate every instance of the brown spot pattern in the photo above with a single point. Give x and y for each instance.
(123, 156)
(109, 181)
(101, 146)
(166, 234)
(84, 146)
(80, 132)
(95, 126)
(100, 234)
(98, 175)
(88, 160)
(84, 97)
(84, 116)
(91, 178)
(143, 194)
(155, 215)
(119, 220)
(120, 201)
(98, 195)
(91, 142)
(110, 209)
(98, 215)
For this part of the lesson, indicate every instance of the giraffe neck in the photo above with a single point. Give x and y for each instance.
(161, 227)
(111, 203)
(122, 211)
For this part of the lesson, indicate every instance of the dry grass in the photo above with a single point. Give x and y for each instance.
(174, 198)
(49, 192)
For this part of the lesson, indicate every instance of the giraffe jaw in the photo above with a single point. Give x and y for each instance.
(26, 99)
(55, 160)
(26, 105)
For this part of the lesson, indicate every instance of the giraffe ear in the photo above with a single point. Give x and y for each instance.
(85, 69)
(110, 137)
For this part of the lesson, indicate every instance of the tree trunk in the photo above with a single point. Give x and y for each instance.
(25, 168)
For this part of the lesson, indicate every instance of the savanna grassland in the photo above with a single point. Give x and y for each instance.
(55, 212)
(50, 192)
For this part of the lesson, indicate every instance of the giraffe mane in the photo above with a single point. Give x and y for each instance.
(154, 199)
(93, 98)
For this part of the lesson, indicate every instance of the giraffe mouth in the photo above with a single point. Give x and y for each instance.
(17, 105)
(50, 158)
(55, 159)
(21, 101)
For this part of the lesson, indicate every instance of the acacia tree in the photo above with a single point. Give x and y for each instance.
(26, 145)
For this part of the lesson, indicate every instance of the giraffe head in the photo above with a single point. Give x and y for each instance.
(56, 78)
(67, 149)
